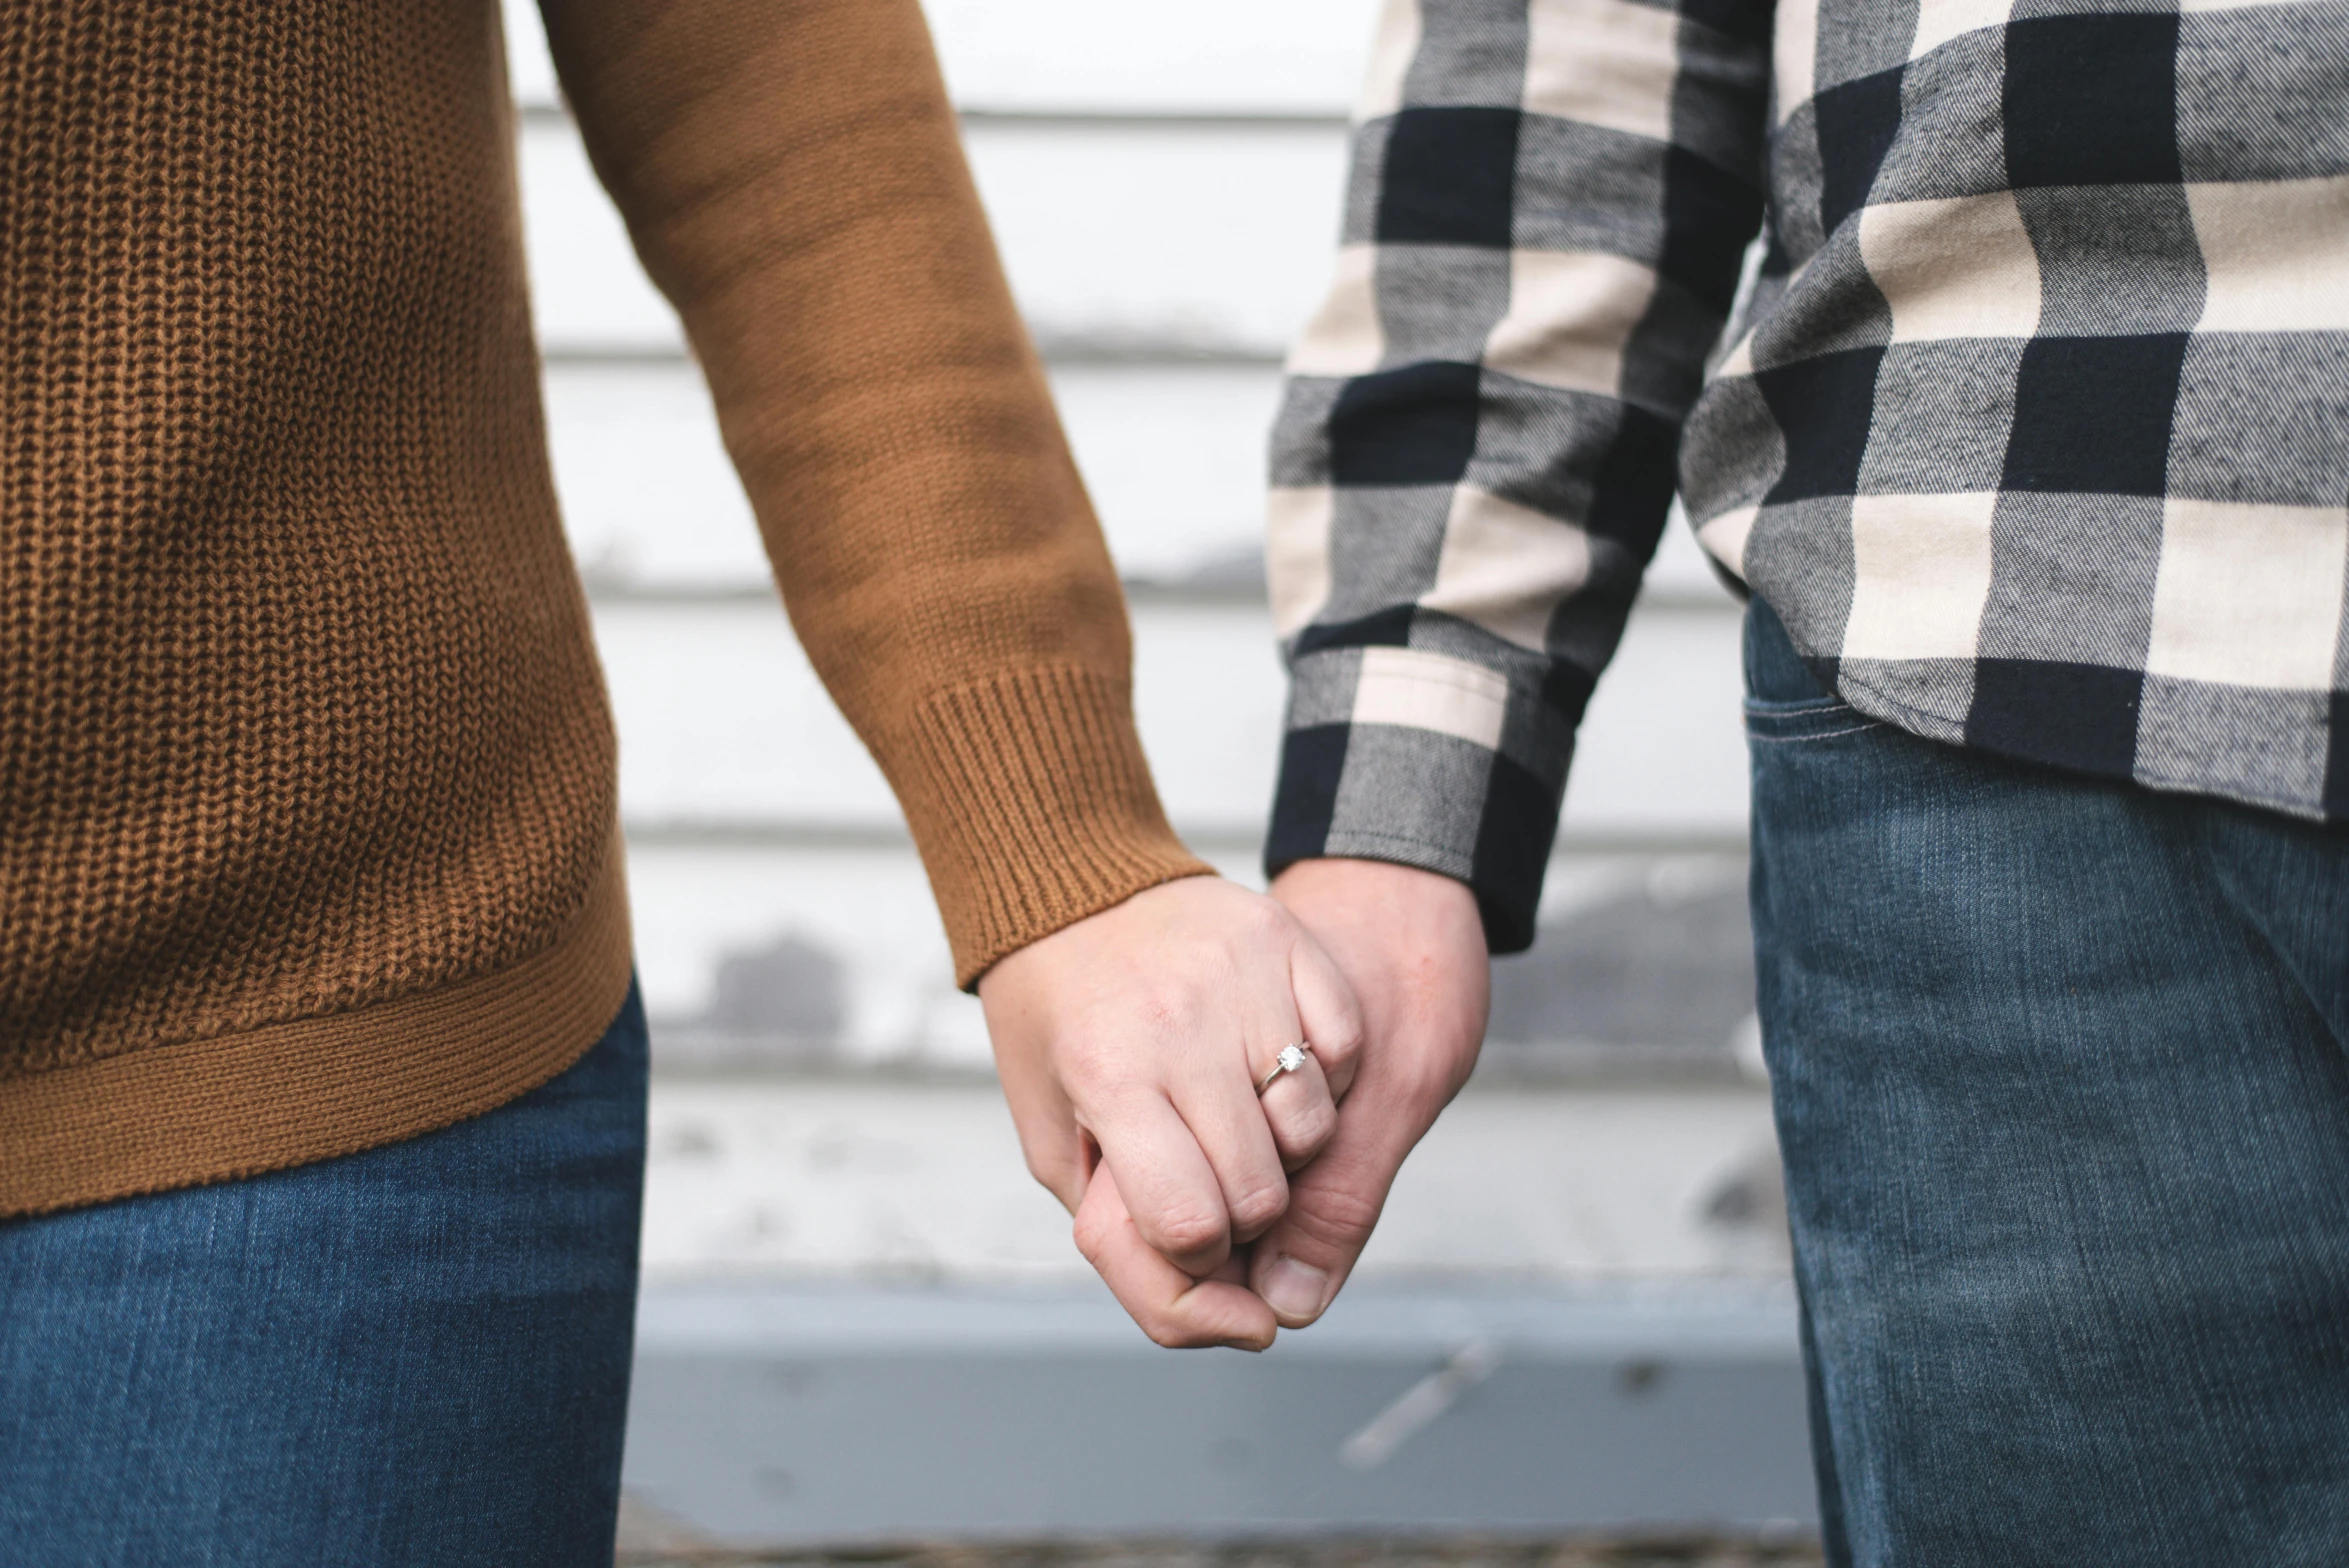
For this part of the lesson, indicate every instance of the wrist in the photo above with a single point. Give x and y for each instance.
(1384, 889)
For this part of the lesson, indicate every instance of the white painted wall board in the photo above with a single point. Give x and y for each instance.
(1662, 749)
(1212, 238)
(1173, 455)
(1208, 238)
(870, 908)
(1227, 56)
(1531, 1187)
(867, 906)
(649, 496)
(528, 66)
(722, 719)
(1174, 458)
(587, 293)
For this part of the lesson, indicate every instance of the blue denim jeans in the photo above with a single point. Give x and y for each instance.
(2061, 1081)
(416, 1355)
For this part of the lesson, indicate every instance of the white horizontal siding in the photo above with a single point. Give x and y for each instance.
(835, 1180)
(756, 815)
(1226, 56)
(1190, 237)
(723, 722)
(862, 911)
(868, 907)
(1173, 455)
(1165, 185)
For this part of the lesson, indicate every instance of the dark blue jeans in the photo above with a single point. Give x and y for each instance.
(2061, 1080)
(416, 1355)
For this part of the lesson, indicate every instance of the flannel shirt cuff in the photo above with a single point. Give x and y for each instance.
(1424, 759)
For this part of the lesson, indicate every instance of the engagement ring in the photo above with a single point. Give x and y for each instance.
(1291, 1058)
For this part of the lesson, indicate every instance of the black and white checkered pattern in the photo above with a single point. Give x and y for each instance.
(2034, 427)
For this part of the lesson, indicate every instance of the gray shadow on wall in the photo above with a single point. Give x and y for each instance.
(1654, 980)
(780, 1005)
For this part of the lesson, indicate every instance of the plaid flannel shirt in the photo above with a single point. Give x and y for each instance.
(2033, 428)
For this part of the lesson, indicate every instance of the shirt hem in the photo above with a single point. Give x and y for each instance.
(1875, 703)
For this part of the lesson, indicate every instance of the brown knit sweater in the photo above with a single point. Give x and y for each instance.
(307, 826)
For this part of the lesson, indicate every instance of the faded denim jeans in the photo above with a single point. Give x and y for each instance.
(415, 1355)
(2061, 1083)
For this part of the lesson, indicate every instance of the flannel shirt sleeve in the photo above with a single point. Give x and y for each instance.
(1548, 208)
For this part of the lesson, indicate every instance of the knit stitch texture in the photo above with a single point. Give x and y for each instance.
(307, 793)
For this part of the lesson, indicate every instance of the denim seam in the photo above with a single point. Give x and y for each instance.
(1796, 740)
(1796, 710)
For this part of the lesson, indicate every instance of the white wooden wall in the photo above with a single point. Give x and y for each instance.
(1164, 181)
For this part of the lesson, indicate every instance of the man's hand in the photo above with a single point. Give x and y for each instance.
(1413, 947)
(1134, 1040)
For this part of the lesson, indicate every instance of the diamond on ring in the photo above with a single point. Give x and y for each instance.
(1292, 1057)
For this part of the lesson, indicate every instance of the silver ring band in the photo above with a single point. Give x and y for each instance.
(1292, 1058)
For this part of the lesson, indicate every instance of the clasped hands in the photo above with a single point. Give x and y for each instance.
(1131, 1046)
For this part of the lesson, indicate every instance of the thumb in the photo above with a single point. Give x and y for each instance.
(1334, 1203)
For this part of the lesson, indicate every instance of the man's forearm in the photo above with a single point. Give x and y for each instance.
(1474, 456)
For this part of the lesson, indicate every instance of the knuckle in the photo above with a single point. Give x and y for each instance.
(1336, 1218)
(1431, 1087)
(1307, 1129)
(1189, 1230)
(1266, 921)
(1256, 1209)
(1088, 1063)
(1340, 1041)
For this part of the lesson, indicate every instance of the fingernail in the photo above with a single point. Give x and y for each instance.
(1293, 1289)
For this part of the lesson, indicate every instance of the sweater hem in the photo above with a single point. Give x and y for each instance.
(311, 1089)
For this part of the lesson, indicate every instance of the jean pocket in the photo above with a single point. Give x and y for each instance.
(1809, 718)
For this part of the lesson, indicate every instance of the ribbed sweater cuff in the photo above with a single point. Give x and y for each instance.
(1033, 808)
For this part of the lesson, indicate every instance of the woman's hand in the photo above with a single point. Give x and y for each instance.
(1133, 1041)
